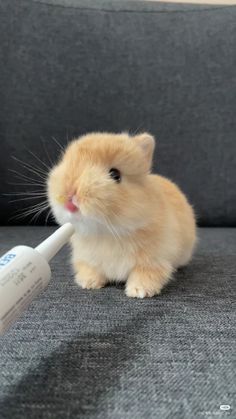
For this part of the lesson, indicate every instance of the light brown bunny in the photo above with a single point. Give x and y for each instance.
(130, 225)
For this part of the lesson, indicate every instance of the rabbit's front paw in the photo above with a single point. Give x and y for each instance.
(88, 277)
(147, 282)
(138, 291)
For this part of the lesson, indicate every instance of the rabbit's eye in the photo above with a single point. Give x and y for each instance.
(115, 174)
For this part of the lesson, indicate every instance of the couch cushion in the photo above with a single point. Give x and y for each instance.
(98, 354)
(72, 66)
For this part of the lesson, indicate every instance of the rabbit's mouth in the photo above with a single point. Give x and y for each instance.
(71, 205)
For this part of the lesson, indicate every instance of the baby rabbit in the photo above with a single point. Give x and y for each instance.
(130, 225)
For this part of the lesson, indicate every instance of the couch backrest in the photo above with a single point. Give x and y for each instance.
(69, 67)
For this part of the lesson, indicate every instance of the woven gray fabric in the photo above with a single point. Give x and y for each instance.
(100, 355)
(73, 66)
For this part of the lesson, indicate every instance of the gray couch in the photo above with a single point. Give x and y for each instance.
(72, 66)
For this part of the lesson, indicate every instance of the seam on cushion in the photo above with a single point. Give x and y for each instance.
(91, 9)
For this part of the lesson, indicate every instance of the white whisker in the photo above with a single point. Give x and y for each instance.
(29, 207)
(27, 198)
(41, 174)
(59, 145)
(29, 166)
(110, 227)
(26, 184)
(46, 152)
(29, 212)
(37, 158)
(37, 214)
(32, 193)
(137, 130)
(48, 215)
(21, 176)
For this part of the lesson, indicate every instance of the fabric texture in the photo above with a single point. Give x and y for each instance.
(72, 66)
(100, 355)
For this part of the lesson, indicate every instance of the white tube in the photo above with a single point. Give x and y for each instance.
(25, 272)
(51, 246)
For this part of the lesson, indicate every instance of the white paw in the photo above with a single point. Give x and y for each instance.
(90, 282)
(137, 291)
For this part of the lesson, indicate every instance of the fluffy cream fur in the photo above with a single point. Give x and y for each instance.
(139, 230)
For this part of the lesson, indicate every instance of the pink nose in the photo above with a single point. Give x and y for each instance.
(70, 206)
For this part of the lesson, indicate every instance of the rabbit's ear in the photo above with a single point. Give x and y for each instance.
(147, 143)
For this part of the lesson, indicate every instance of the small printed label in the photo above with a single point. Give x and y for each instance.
(7, 258)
